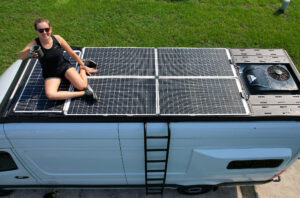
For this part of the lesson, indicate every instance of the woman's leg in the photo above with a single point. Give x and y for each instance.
(78, 80)
(52, 93)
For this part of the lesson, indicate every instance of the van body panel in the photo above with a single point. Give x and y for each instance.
(3, 140)
(212, 163)
(19, 176)
(113, 153)
(132, 146)
(61, 130)
(200, 152)
(78, 153)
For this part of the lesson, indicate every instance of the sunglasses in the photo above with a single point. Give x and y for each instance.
(43, 29)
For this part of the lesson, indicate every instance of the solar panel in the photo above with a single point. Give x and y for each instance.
(199, 97)
(148, 81)
(118, 96)
(33, 98)
(122, 61)
(193, 62)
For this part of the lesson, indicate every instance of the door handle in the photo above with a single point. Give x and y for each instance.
(21, 177)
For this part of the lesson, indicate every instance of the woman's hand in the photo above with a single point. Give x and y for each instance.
(89, 70)
(35, 54)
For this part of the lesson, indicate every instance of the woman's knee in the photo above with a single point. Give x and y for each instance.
(75, 79)
(80, 86)
(51, 95)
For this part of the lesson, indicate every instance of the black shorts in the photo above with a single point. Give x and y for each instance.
(57, 72)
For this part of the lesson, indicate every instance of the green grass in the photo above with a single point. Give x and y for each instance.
(185, 23)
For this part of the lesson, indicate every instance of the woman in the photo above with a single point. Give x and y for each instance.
(55, 67)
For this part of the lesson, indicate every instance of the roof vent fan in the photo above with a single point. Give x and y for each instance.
(278, 73)
(268, 79)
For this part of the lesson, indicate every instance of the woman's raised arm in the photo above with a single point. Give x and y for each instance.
(25, 53)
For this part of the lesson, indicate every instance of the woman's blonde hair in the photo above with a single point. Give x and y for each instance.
(40, 20)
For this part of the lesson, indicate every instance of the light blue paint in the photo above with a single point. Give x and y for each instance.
(74, 153)
(244, 154)
(3, 141)
(132, 146)
(99, 153)
(212, 163)
(222, 142)
(8, 177)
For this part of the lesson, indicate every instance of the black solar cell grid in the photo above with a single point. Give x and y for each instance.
(122, 61)
(199, 96)
(118, 96)
(193, 62)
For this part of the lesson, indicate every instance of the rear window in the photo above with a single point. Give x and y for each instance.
(243, 164)
(6, 162)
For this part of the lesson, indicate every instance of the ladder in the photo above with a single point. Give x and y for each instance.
(155, 178)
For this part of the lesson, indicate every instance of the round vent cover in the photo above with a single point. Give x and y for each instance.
(278, 73)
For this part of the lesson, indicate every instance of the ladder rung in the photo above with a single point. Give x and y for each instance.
(156, 149)
(155, 186)
(156, 161)
(156, 137)
(158, 189)
(155, 171)
(155, 179)
(155, 192)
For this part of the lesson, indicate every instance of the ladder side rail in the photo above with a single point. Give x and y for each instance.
(146, 158)
(167, 155)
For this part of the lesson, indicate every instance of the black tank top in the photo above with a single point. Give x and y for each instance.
(53, 58)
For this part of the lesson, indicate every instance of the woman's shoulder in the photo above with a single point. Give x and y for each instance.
(58, 37)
